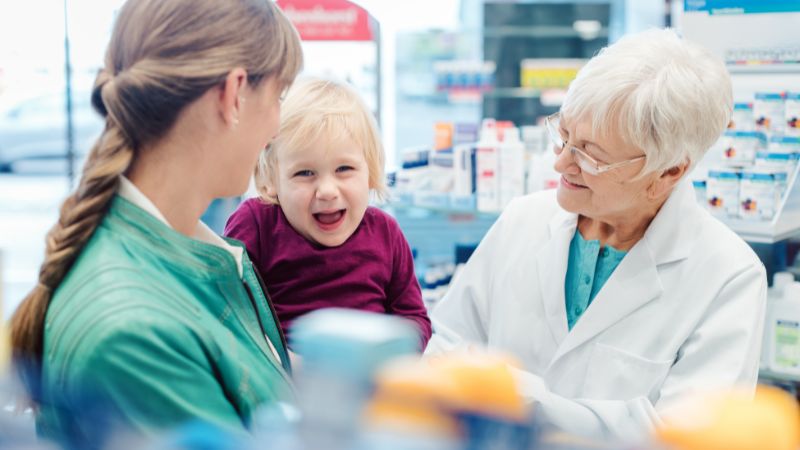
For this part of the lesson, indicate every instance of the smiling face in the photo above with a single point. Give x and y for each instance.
(607, 196)
(323, 189)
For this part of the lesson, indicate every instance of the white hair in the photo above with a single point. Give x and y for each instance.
(660, 93)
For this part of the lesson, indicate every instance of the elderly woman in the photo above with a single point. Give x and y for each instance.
(617, 292)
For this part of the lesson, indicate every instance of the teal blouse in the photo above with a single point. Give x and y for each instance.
(588, 269)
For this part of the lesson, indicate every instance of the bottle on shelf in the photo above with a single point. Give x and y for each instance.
(779, 282)
(784, 331)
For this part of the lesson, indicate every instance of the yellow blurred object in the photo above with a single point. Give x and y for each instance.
(484, 385)
(769, 421)
(5, 349)
(442, 135)
(540, 73)
(5, 341)
(422, 395)
(404, 395)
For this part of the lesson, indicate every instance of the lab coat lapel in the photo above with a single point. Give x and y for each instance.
(636, 281)
(551, 265)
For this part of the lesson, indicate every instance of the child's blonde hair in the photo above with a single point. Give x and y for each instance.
(314, 108)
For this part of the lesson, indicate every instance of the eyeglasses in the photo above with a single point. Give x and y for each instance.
(582, 159)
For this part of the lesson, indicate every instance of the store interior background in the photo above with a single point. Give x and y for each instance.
(397, 70)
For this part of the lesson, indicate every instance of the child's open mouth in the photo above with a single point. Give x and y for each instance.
(329, 220)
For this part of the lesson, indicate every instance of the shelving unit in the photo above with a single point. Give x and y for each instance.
(784, 225)
(438, 203)
(543, 31)
(515, 31)
(436, 223)
(763, 68)
(514, 92)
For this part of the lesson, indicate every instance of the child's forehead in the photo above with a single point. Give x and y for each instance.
(322, 148)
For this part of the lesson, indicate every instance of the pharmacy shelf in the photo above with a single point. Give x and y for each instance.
(542, 31)
(437, 202)
(763, 68)
(784, 225)
(513, 92)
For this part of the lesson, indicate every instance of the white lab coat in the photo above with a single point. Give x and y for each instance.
(682, 313)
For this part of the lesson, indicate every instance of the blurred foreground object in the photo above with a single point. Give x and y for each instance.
(769, 421)
(457, 400)
(341, 349)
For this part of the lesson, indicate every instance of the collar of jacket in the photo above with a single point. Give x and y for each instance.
(669, 236)
(190, 257)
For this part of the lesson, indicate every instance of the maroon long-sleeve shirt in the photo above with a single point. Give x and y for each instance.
(372, 271)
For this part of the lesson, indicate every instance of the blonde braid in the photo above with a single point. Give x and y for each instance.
(163, 55)
(79, 216)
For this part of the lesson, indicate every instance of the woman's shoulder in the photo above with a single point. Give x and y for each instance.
(90, 336)
(536, 208)
(376, 215)
(718, 241)
(378, 221)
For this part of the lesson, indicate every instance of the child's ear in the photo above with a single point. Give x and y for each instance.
(272, 194)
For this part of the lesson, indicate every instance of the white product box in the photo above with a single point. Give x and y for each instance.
(760, 193)
(769, 111)
(792, 113)
(742, 117)
(740, 147)
(722, 192)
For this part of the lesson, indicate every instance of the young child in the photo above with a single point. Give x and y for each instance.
(311, 234)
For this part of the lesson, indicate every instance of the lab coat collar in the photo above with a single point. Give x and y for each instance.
(634, 283)
(670, 235)
(552, 262)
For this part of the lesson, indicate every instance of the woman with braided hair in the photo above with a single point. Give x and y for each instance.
(142, 317)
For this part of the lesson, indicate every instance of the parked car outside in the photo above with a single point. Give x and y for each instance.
(33, 132)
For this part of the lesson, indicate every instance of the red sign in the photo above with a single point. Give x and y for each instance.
(328, 20)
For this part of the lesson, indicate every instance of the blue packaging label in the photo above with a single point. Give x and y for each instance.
(776, 96)
(724, 174)
(760, 135)
(728, 7)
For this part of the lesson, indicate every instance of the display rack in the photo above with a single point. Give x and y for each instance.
(785, 223)
(438, 202)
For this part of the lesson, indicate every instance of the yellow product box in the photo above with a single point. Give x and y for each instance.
(541, 73)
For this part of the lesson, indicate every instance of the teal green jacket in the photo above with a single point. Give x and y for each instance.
(151, 329)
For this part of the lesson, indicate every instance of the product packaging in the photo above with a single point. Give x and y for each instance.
(760, 193)
(740, 147)
(769, 111)
(722, 192)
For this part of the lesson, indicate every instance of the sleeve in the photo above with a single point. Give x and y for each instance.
(723, 351)
(404, 296)
(242, 225)
(721, 354)
(147, 375)
(460, 317)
